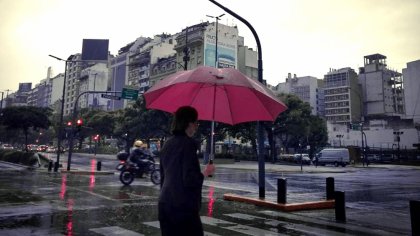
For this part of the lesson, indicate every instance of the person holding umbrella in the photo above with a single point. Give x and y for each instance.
(181, 178)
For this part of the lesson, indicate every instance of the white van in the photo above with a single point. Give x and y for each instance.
(336, 156)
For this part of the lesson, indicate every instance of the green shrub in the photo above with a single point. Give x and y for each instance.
(18, 157)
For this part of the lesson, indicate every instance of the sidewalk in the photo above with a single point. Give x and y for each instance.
(275, 168)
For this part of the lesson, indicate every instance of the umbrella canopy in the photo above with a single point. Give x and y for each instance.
(223, 95)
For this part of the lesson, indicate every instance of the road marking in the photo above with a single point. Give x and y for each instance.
(115, 231)
(356, 229)
(244, 229)
(156, 224)
(287, 225)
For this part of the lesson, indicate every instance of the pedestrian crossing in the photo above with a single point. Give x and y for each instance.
(259, 223)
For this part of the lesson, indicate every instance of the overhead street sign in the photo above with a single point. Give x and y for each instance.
(128, 93)
(111, 96)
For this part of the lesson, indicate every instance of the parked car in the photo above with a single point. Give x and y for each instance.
(6, 146)
(51, 149)
(32, 147)
(335, 156)
(42, 148)
(305, 158)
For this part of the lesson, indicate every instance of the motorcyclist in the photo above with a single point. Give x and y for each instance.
(138, 155)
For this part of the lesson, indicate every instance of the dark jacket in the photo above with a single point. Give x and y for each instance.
(181, 177)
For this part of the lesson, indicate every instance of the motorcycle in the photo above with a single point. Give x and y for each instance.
(130, 170)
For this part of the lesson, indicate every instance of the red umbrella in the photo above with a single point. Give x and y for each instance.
(223, 95)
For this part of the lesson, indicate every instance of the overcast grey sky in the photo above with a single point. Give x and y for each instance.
(303, 37)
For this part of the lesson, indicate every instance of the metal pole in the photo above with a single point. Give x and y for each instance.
(74, 118)
(94, 95)
(186, 58)
(60, 126)
(260, 132)
(363, 144)
(415, 217)
(282, 190)
(330, 188)
(214, 97)
(340, 206)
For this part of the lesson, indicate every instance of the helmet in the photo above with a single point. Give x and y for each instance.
(138, 143)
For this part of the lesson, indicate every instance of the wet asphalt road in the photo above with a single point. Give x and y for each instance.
(41, 203)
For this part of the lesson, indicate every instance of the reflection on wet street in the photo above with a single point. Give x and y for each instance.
(41, 203)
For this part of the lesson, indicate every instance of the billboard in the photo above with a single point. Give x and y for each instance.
(25, 87)
(95, 49)
(227, 45)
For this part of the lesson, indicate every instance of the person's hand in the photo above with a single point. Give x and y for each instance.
(209, 170)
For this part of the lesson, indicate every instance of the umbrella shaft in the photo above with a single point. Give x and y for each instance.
(212, 141)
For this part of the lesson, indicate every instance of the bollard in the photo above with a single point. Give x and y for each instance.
(281, 190)
(330, 188)
(98, 166)
(415, 217)
(340, 206)
(50, 165)
(55, 166)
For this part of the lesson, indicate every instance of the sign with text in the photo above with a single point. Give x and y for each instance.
(113, 97)
(128, 93)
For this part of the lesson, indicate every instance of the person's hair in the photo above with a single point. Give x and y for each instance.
(183, 116)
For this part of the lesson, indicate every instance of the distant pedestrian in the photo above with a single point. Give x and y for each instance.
(181, 178)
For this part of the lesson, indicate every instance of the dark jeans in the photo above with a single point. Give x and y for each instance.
(179, 222)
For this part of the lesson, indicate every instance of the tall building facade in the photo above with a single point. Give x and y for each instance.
(307, 88)
(196, 46)
(382, 88)
(93, 78)
(342, 96)
(411, 83)
(40, 95)
(147, 53)
(73, 70)
(247, 60)
(56, 92)
(118, 77)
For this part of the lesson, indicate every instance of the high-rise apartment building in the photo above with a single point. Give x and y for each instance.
(307, 88)
(382, 88)
(93, 78)
(342, 96)
(74, 67)
(146, 53)
(411, 83)
(196, 46)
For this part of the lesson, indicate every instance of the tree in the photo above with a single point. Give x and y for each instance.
(318, 134)
(246, 132)
(297, 126)
(138, 122)
(26, 117)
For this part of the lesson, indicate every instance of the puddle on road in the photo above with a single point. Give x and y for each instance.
(17, 196)
(21, 221)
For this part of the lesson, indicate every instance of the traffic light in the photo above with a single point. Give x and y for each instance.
(79, 124)
(96, 138)
(350, 126)
(69, 123)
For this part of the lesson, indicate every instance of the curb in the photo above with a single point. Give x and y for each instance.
(271, 170)
(326, 204)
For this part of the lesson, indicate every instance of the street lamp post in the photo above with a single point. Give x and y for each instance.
(57, 163)
(216, 66)
(95, 99)
(186, 57)
(260, 132)
(398, 133)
